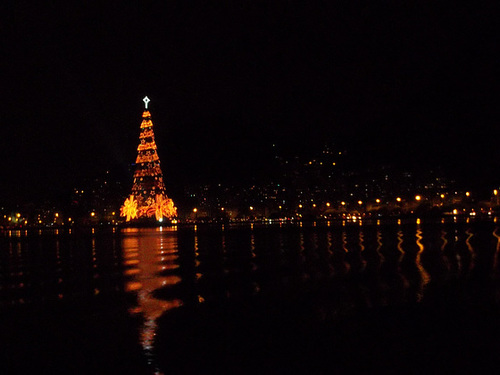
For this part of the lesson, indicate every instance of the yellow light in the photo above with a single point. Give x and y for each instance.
(327, 204)
(442, 195)
(300, 206)
(467, 194)
(57, 215)
(195, 210)
(18, 215)
(398, 199)
(92, 214)
(495, 192)
(69, 219)
(113, 213)
(129, 208)
(314, 204)
(455, 211)
(360, 202)
(342, 203)
(251, 208)
(222, 208)
(377, 200)
(418, 197)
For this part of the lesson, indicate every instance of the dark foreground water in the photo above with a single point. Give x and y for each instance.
(356, 298)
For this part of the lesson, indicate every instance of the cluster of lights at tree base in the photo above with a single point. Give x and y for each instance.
(148, 196)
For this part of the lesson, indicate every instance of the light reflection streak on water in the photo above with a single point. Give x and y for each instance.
(379, 245)
(361, 240)
(400, 245)
(281, 243)
(344, 242)
(146, 251)
(425, 277)
(223, 243)
(302, 256)
(443, 247)
(196, 253)
(469, 234)
(255, 285)
(94, 259)
(497, 251)
(252, 244)
(329, 243)
(445, 241)
(457, 256)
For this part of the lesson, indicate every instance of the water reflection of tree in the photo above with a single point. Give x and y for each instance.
(150, 257)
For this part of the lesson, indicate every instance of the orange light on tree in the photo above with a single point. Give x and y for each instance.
(129, 208)
(164, 207)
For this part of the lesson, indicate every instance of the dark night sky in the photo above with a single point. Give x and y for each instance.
(413, 83)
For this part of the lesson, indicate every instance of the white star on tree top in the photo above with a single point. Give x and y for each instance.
(146, 100)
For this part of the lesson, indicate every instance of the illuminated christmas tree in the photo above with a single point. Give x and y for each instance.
(148, 197)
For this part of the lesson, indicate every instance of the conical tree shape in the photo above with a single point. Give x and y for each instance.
(148, 197)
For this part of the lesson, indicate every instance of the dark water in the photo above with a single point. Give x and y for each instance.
(353, 298)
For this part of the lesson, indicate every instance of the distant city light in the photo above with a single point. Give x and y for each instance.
(377, 200)
(467, 194)
(360, 202)
(418, 197)
(398, 199)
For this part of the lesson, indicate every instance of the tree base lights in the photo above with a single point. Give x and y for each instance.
(148, 198)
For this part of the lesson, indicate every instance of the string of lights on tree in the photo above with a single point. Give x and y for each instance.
(148, 197)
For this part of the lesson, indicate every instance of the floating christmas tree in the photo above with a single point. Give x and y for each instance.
(148, 197)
